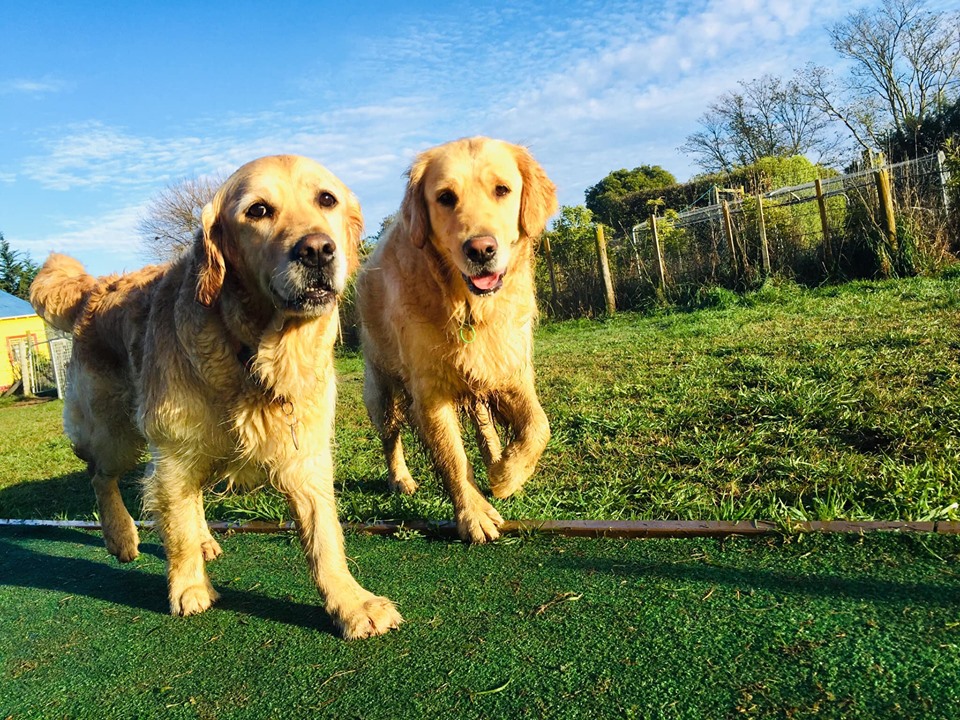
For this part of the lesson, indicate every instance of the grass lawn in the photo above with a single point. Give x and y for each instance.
(785, 404)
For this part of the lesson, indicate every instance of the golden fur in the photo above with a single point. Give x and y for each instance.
(221, 364)
(447, 307)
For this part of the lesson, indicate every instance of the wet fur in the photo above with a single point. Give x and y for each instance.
(417, 311)
(221, 364)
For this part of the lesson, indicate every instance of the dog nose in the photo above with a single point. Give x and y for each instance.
(314, 250)
(480, 249)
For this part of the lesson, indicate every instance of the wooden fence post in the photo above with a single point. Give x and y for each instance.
(827, 240)
(26, 369)
(553, 273)
(661, 270)
(944, 179)
(764, 247)
(609, 297)
(731, 243)
(888, 217)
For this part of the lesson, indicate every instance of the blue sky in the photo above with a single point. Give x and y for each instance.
(103, 104)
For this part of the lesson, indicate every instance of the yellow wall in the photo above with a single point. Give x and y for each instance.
(12, 331)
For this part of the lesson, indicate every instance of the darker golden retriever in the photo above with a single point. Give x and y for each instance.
(222, 364)
(447, 308)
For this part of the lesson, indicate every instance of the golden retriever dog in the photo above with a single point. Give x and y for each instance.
(221, 363)
(447, 308)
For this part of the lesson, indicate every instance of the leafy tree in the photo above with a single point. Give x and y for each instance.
(767, 117)
(940, 129)
(572, 245)
(17, 271)
(904, 62)
(605, 199)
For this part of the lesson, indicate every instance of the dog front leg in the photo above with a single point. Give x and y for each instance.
(439, 423)
(532, 432)
(172, 494)
(357, 612)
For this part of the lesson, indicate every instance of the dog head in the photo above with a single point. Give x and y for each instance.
(474, 200)
(290, 230)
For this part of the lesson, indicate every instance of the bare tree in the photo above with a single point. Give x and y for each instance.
(904, 61)
(172, 220)
(767, 117)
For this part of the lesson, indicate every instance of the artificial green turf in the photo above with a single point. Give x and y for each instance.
(808, 626)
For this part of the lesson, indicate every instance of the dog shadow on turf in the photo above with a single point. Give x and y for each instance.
(875, 584)
(140, 588)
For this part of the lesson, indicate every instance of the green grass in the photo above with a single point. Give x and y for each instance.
(797, 627)
(786, 403)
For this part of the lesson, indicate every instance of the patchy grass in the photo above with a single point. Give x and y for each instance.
(836, 403)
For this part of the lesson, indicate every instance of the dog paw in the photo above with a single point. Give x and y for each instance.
(211, 550)
(505, 478)
(193, 599)
(374, 616)
(123, 544)
(479, 525)
(403, 484)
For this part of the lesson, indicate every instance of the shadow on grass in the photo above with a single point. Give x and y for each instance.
(836, 584)
(67, 496)
(106, 581)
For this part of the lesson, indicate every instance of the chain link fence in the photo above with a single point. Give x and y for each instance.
(892, 220)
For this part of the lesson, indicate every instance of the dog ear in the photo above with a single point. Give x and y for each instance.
(413, 210)
(354, 226)
(539, 198)
(213, 267)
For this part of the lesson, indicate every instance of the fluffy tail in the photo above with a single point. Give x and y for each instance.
(59, 291)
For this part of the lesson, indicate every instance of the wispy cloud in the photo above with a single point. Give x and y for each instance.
(31, 86)
(598, 86)
(111, 237)
(92, 154)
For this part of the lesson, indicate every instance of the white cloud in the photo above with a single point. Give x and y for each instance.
(636, 97)
(621, 84)
(107, 243)
(28, 86)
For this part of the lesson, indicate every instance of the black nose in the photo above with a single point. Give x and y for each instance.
(480, 249)
(314, 250)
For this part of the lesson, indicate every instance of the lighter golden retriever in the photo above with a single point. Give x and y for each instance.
(222, 364)
(447, 308)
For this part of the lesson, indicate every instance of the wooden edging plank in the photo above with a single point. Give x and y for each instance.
(626, 529)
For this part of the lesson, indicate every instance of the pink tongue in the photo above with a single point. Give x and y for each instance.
(486, 282)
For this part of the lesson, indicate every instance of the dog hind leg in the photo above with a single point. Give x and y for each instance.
(385, 408)
(119, 530)
(487, 437)
(209, 546)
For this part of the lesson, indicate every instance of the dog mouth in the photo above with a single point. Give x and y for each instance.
(484, 284)
(311, 299)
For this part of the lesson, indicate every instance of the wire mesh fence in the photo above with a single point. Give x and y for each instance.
(873, 222)
(41, 367)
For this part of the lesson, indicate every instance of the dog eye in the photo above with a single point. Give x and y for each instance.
(447, 198)
(502, 190)
(326, 200)
(258, 211)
